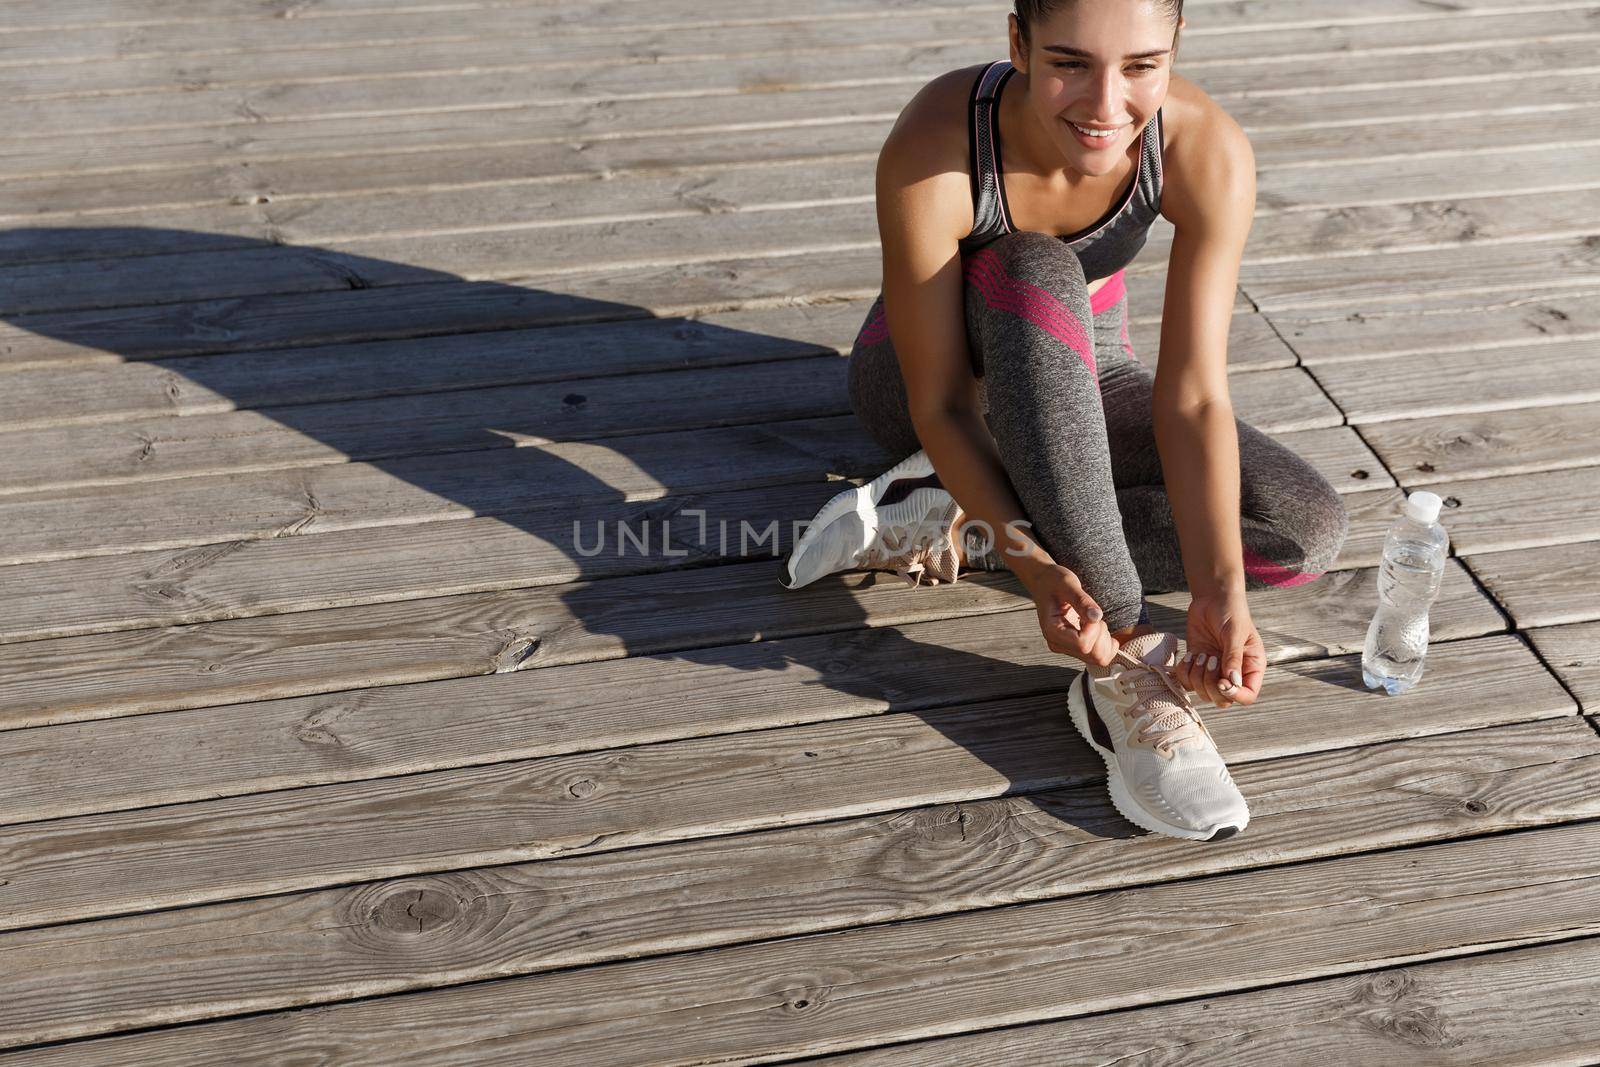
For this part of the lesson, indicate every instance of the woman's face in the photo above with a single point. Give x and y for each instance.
(1086, 64)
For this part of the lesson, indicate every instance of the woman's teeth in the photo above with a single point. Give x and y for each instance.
(1093, 133)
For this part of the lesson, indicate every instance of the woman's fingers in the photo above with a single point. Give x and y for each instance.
(1088, 636)
(1104, 649)
(1080, 609)
(1204, 675)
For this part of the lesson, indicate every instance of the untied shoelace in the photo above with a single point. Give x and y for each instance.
(909, 550)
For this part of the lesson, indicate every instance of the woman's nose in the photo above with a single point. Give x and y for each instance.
(1108, 93)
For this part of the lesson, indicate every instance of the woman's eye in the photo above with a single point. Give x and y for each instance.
(1140, 69)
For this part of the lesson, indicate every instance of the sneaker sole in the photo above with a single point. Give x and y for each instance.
(914, 467)
(1121, 798)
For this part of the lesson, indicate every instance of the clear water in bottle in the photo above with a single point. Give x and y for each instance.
(1408, 580)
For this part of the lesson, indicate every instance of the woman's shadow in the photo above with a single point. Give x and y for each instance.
(656, 500)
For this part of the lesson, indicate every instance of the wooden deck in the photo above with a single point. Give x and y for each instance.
(325, 321)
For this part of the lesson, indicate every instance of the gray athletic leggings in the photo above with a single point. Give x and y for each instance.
(1068, 406)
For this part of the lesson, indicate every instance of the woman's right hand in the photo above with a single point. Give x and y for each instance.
(1071, 621)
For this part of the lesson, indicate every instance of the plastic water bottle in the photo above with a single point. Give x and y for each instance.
(1408, 580)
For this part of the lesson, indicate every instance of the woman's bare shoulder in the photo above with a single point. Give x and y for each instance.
(923, 171)
(1196, 129)
(1206, 156)
(932, 128)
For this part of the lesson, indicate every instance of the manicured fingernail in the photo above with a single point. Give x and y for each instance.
(1225, 685)
(1211, 664)
(1234, 674)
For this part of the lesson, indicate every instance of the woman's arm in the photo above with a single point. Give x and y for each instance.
(924, 204)
(1210, 198)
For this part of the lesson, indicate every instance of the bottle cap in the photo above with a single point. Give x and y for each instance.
(1423, 506)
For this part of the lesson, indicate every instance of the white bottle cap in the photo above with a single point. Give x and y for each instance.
(1423, 506)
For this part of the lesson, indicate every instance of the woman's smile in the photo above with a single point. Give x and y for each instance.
(1092, 142)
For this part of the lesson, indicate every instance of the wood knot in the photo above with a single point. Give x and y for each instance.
(415, 911)
(317, 728)
(1476, 807)
(796, 1001)
(583, 787)
(1386, 987)
(1418, 1026)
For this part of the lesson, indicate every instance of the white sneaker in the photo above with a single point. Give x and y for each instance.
(902, 521)
(1164, 770)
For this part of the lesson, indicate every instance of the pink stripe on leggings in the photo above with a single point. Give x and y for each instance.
(1028, 302)
(876, 329)
(1274, 574)
(985, 270)
(1106, 297)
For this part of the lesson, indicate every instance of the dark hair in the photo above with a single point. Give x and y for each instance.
(1032, 11)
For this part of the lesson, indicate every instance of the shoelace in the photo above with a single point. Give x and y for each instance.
(908, 550)
(1186, 720)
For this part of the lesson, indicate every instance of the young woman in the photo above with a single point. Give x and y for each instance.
(1010, 198)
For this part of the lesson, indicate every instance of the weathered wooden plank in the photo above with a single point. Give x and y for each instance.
(518, 37)
(302, 838)
(420, 489)
(1569, 651)
(517, 550)
(68, 393)
(595, 139)
(1484, 444)
(1521, 510)
(459, 421)
(274, 337)
(1567, 263)
(1526, 1005)
(972, 970)
(1489, 174)
(243, 199)
(1543, 586)
(559, 216)
(607, 16)
(1429, 323)
(110, 974)
(517, 48)
(568, 258)
(370, 565)
(281, 101)
(196, 754)
(475, 420)
(142, 671)
(348, 315)
(1452, 383)
(690, 212)
(316, 489)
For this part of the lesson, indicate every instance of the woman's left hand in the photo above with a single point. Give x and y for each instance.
(1220, 627)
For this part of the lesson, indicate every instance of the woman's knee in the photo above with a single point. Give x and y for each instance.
(1026, 299)
(1041, 258)
(1308, 526)
(1325, 524)
(1027, 269)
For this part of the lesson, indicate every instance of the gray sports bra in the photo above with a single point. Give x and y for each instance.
(1104, 247)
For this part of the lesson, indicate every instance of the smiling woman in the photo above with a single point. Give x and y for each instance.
(1011, 198)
